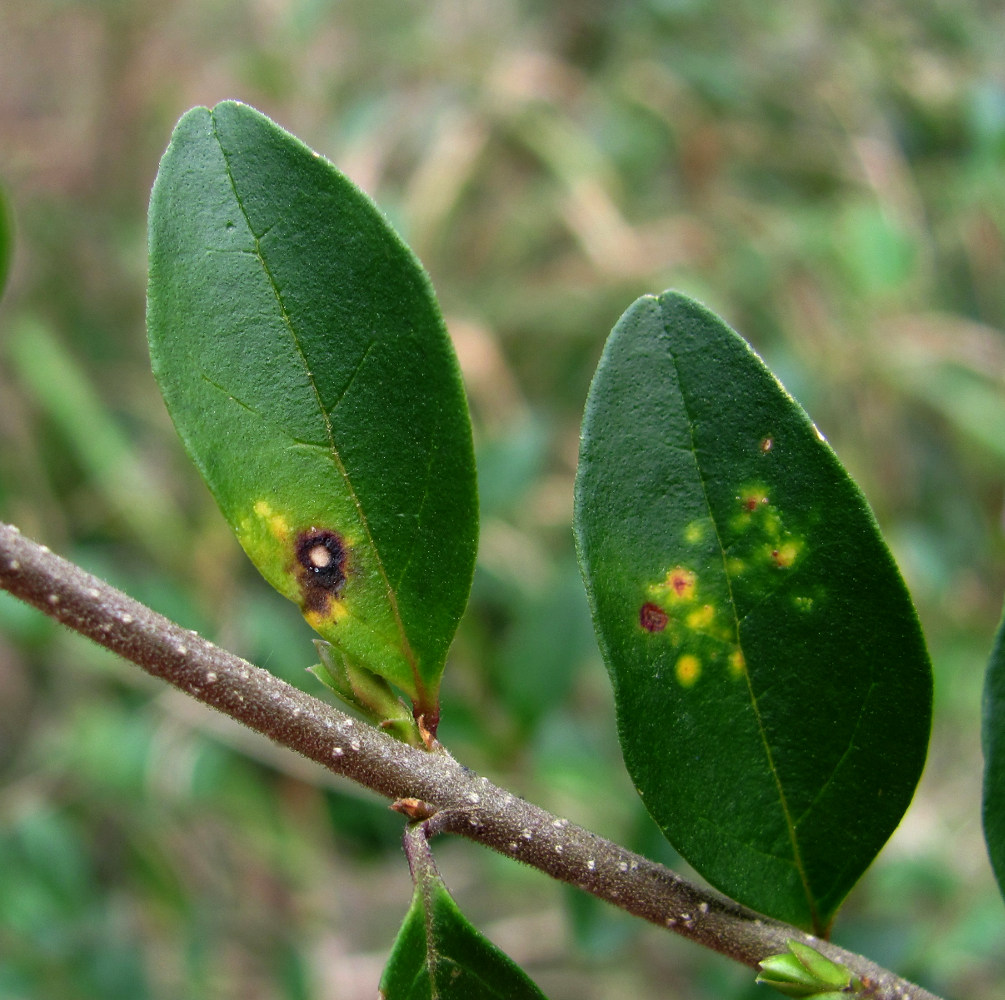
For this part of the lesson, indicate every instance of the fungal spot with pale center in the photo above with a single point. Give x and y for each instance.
(321, 568)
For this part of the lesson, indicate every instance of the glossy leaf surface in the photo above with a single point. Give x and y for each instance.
(439, 955)
(304, 361)
(993, 738)
(772, 683)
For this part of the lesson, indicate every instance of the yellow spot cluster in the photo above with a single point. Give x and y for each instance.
(755, 517)
(693, 624)
(761, 547)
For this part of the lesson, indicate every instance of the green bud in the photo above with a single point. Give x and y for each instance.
(803, 971)
(821, 967)
(364, 691)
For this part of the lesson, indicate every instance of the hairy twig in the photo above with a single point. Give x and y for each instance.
(429, 784)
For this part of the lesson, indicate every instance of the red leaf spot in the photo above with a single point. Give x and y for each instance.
(653, 618)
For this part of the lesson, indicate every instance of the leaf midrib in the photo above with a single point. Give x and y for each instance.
(783, 801)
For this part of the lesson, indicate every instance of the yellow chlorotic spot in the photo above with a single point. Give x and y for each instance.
(680, 583)
(785, 554)
(737, 664)
(687, 669)
(701, 618)
(694, 532)
(335, 613)
(734, 567)
(277, 524)
(803, 603)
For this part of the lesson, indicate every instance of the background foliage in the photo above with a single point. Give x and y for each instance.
(828, 177)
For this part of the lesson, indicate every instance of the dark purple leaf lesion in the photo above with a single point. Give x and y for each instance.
(652, 617)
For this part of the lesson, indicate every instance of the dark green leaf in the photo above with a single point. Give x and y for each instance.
(6, 238)
(303, 359)
(772, 683)
(993, 736)
(438, 955)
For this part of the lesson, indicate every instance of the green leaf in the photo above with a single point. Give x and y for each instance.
(439, 955)
(6, 238)
(771, 679)
(993, 738)
(304, 361)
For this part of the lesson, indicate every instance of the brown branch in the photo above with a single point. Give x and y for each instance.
(461, 802)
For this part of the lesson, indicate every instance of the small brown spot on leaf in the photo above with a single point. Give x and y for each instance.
(785, 556)
(752, 499)
(652, 618)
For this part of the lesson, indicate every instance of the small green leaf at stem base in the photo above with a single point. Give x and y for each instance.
(365, 692)
(438, 954)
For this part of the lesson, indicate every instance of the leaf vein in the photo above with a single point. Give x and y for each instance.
(772, 767)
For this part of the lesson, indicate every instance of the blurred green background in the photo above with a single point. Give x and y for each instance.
(829, 176)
